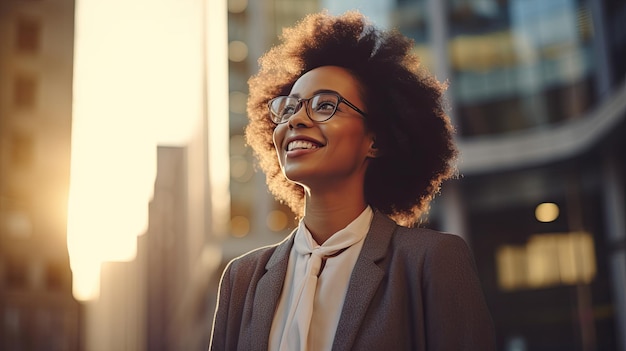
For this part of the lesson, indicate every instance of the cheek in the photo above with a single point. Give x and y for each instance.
(348, 134)
(277, 137)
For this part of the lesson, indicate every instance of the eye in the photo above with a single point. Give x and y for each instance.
(288, 110)
(324, 105)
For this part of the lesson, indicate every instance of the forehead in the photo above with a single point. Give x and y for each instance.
(326, 78)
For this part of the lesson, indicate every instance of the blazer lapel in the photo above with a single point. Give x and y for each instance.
(366, 277)
(266, 297)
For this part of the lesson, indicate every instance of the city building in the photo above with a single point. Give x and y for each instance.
(37, 310)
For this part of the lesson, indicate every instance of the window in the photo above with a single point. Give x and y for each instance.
(56, 274)
(25, 91)
(17, 223)
(16, 274)
(22, 150)
(28, 35)
(547, 260)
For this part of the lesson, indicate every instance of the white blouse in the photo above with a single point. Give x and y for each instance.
(302, 324)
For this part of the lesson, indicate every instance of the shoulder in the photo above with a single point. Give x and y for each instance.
(256, 259)
(427, 241)
(252, 260)
(414, 246)
(431, 251)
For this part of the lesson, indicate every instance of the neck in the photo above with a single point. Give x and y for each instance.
(326, 213)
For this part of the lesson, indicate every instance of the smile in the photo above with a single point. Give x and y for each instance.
(301, 145)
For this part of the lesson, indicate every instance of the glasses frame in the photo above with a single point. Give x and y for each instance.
(307, 108)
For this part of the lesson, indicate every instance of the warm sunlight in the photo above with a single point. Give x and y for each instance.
(217, 98)
(137, 83)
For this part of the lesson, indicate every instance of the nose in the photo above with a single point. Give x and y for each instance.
(300, 119)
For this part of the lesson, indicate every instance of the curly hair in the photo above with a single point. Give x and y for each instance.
(405, 108)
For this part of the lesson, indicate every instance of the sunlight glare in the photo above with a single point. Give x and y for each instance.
(217, 98)
(137, 83)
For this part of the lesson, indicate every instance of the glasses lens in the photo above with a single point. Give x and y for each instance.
(282, 108)
(320, 107)
(323, 106)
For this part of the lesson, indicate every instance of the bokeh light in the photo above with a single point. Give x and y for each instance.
(547, 212)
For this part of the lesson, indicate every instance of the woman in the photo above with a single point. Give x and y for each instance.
(357, 143)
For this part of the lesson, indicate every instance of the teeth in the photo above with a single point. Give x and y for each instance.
(301, 144)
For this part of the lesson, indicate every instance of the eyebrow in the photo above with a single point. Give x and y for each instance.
(319, 91)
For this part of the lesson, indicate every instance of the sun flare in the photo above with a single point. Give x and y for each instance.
(138, 70)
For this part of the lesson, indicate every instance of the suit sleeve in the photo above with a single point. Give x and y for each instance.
(220, 319)
(456, 314)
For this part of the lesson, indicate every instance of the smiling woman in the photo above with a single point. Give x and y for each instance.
(324, 147)
(352, 135)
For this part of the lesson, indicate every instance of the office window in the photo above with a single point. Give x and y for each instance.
(22, 150)
(17, 222)
(15, 274)
(25, 91)
(520, 64)
(56, 274)
(28, 35)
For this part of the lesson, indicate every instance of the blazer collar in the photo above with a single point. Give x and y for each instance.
(366, 277)
(266, 296)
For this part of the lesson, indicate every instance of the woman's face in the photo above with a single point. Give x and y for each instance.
(328, 153)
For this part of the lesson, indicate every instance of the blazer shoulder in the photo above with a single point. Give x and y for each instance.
(425, 248)
(424, 238)
(252, 259)
(258, 258)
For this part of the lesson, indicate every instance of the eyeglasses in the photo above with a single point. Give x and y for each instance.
(320, 107)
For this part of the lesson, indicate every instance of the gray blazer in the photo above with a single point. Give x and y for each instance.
(411, 289)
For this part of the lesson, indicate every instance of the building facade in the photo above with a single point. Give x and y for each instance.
(37, 310)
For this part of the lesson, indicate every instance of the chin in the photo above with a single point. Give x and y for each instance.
(297, 176)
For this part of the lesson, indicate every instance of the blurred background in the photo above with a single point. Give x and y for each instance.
(122, 248)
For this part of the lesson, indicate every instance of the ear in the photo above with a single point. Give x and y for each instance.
(373, 151)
